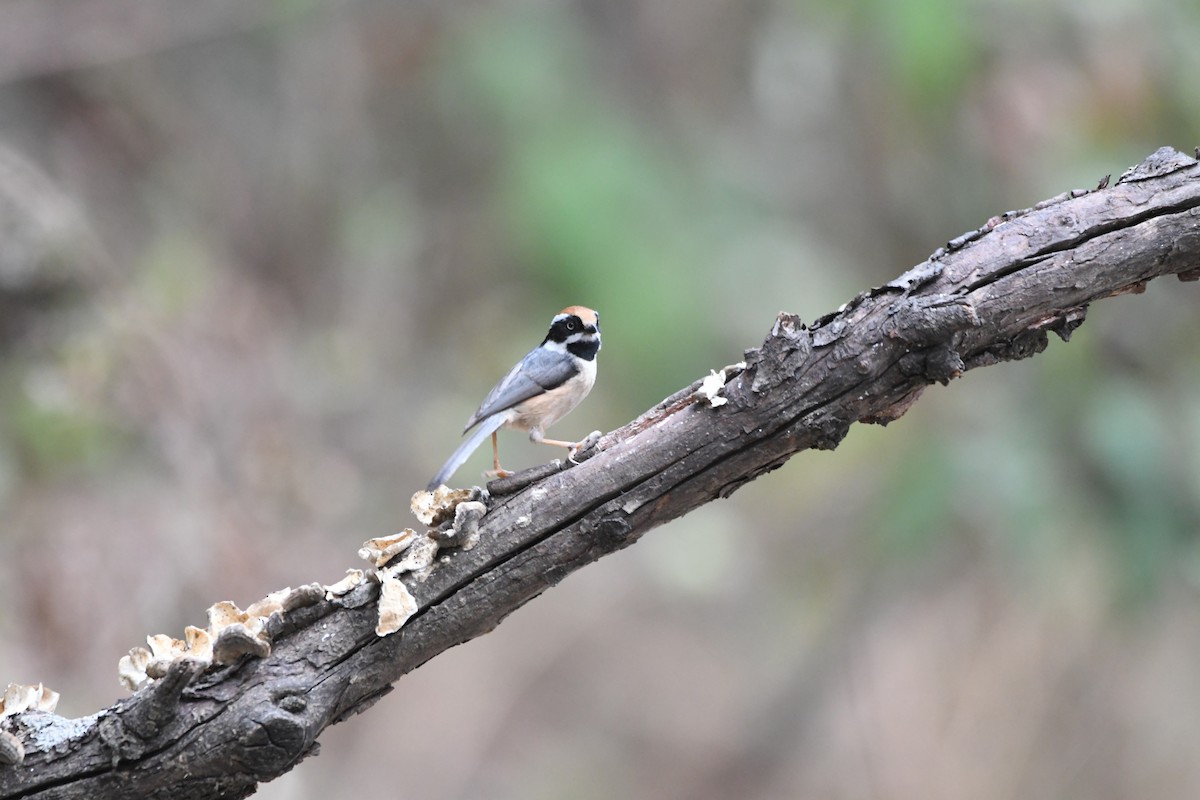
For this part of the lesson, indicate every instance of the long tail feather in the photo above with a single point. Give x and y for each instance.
(486, 428)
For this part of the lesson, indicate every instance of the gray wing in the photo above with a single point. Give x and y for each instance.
(539, 371)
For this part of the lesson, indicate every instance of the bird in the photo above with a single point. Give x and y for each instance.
(540, 390)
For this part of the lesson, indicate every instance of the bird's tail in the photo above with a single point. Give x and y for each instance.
(486, 428)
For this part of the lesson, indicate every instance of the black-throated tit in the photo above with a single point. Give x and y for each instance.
(538, 391)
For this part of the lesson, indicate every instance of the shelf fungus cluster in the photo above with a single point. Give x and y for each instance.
(20, 697)
(231, 633)
(713, 384)
(417, 552)
(17, 698)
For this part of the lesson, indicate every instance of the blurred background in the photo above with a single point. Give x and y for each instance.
(260, 260)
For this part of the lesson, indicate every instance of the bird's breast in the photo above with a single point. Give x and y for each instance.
(549, 407)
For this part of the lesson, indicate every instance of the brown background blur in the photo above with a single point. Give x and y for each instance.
(260, 261)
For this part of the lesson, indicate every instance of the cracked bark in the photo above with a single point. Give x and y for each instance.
(988, 296)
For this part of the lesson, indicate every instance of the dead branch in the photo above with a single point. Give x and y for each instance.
(991, 295)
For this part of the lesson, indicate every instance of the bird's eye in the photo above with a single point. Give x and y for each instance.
(570, 326)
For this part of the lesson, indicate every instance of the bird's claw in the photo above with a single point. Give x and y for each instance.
(583, 446)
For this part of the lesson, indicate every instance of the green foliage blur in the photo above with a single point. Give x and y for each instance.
(264, 258)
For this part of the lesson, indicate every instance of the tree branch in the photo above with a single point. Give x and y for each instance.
(991, 295)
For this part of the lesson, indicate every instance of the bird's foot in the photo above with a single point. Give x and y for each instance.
(498, 472)
(583, 446)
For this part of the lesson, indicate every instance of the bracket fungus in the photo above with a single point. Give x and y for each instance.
(231, 633)
(713, 384)
(417, 552)
(16, 699)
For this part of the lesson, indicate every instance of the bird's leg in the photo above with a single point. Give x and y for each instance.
(557, 443)
(496, 471)
(536, 437)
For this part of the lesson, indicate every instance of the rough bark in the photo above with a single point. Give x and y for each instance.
(991, 295)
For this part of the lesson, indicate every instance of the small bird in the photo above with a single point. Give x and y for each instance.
(538, 391)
